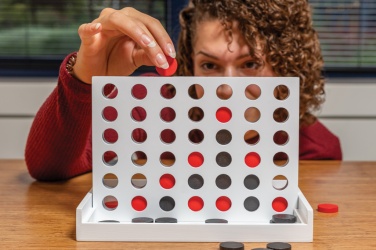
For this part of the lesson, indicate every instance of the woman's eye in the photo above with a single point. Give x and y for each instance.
(208, 66)
(250, 65)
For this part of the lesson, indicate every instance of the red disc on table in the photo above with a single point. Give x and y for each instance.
(327, 208)
(173, 65)
(195, 159)
(195, 203)
(139, 203)
(223, 114)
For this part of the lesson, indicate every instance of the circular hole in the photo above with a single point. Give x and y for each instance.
(280, 182)
(280, 159)
(223, 181)
(281, 92)
(196, 114)
(110, 180)
(168, 136)
(251, 137)
(223, 114)
(280, 115)
(195, 181)
(223, 203)
(139, 158)
(195, 159)
(110, 135)
(195, 203)
(139, 203)
(168, 91)
(223, 137)
(109, 91)
(252, 92)
(279, 204)
(196, 91)
(281, 137)
(251, 204)
(167, 203)
(167, 159)
(167, 114)
(138, 114)
(196, 136)
(139, 180)
(110, 202)
(252, 159)
(109, 113)
(251, 182)
(139, 135)
(223, 159)
(252, 114)
(224, 91)
(139, 91)
(110, 158)
(167, 181)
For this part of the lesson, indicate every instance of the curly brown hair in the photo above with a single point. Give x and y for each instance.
(284, 30)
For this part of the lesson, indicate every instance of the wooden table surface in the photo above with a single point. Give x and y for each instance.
(40, 215)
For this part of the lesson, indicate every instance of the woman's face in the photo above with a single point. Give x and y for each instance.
(213, 56)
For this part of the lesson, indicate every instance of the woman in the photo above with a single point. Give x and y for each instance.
(218, 38)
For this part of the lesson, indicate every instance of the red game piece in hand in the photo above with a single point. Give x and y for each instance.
(171, 69)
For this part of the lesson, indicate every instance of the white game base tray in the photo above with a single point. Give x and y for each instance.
(90, 230)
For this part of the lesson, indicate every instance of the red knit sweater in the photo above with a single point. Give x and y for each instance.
(59, 142)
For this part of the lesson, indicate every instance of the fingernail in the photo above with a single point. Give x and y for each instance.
(171, 50)
(97, 26)
(162, 61)
(147, 41)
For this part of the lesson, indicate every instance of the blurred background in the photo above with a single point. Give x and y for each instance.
(35, 36)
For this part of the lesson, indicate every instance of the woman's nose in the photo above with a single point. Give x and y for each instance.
(230, 71)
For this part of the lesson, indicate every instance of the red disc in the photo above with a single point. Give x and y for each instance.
(195, 203)
(252, 159)
(167, 181)
(279, 204)
(327, 208)
(195, 159)
(139, 203)
(223, 203)
(171, 69)
(223, 114)
(111, 204)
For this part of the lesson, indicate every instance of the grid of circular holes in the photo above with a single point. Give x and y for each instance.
(110, 158)
(223, 137)
(139, 158)
(167, 159)
(109, 114)
(196, 136)
(196, 114)
(252, 114)
(281, 137)
(139, 135)
(138, 114)
(139, 91)
(110, 135)
(110, 180)
(223, 181)
(223, 159)
(280, 182)
(109, 91)
(280, 115)
(252, 92)
(167, 114)
(195, 181)
(224, 92)
(281, 92)
(168, 91)
(281, 159)
(138, 180)
(196, 91)
(110, 202)
(251, 137)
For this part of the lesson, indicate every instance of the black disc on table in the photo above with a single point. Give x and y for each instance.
(279, 246)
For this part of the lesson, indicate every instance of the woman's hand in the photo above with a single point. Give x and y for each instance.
(120, 41)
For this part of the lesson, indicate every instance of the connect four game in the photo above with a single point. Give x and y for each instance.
(195, 159)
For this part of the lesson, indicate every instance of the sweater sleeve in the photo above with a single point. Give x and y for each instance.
(316, 142)
(59, 142)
